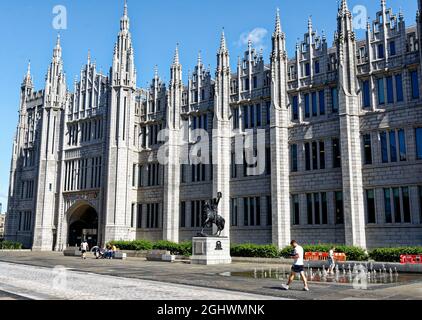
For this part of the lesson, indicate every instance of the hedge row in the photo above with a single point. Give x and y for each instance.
(270, 251)
(10, 245)
(183, 249)
(393, 254)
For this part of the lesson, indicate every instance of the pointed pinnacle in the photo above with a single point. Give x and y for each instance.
(58, 40)
(199, 58)
(277, 22)
(125, 9)
(344, 8)
(28, 71)
(223, 46)
(176, 59)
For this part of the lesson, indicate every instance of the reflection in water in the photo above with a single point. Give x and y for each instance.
(346, 275)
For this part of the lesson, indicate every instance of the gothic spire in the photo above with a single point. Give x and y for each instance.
(343, 7)
(199, 58)
(27, 81)
(124, 21)
(277, 22)
(223, 46)
(57, 53)
(176, 59)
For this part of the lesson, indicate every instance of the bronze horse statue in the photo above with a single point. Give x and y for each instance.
(211, 216)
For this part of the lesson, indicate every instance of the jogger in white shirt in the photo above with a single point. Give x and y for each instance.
(298, 266)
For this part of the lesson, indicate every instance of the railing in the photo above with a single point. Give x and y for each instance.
(410, 259)
(318, 256)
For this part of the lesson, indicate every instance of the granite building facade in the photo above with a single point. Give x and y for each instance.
(342, 126)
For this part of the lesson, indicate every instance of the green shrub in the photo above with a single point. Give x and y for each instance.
(10, 245)
(393, 254)
(255, 251)
(137, 245)
(184, 249)
(352, 253)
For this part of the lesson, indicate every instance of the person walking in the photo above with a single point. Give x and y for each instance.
(331, 260)
(84, 249)
(298, 266)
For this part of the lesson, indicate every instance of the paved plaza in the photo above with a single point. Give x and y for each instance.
(37, 275)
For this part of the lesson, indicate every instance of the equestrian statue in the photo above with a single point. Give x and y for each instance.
(211, 217)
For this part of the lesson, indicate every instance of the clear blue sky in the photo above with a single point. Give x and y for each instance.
(26, 32)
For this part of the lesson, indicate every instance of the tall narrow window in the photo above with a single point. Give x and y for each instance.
(307, 156)
(307, 106)
(233, 213)
(324, 208)
(295, 209)
(295, 108)
(183, 214)
(252, 211)
(397, 207)
(367, 148)
(387, 206)
(399, 88)
(336, 153)
(322, 102)
(314, 156)
(334, 99)
(317, 67)
(380, 51)
(307, 69)
(139, 220)
(418, 134)
(402, 145)
(293, 151)
(366, 95)
(236, 118)
(253, 123)
(392, 48)
(414, 84)
(370, 206)
(268, 113)
(322, 155)
(269, 211)
(132, 216)
(384, 149)
(317, 217)
(393, 146)
(339, 207)
(233, 166)
(406, 205)
(309, 208)
(246, 212)
(258, 115)
(245, 117)
(390, 91)
(381, 94)
(314, 104)
(258, 211)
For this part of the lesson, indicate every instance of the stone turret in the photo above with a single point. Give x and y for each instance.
(222, 132)
(279, 136)
(354, 216)
(120, 127)
(55, 104)
(172, 167)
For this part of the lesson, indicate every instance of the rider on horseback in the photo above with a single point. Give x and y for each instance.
(211, 216)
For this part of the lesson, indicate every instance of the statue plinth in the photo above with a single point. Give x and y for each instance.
(211, 250)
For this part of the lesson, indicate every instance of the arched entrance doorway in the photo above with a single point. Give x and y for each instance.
(83, 225)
